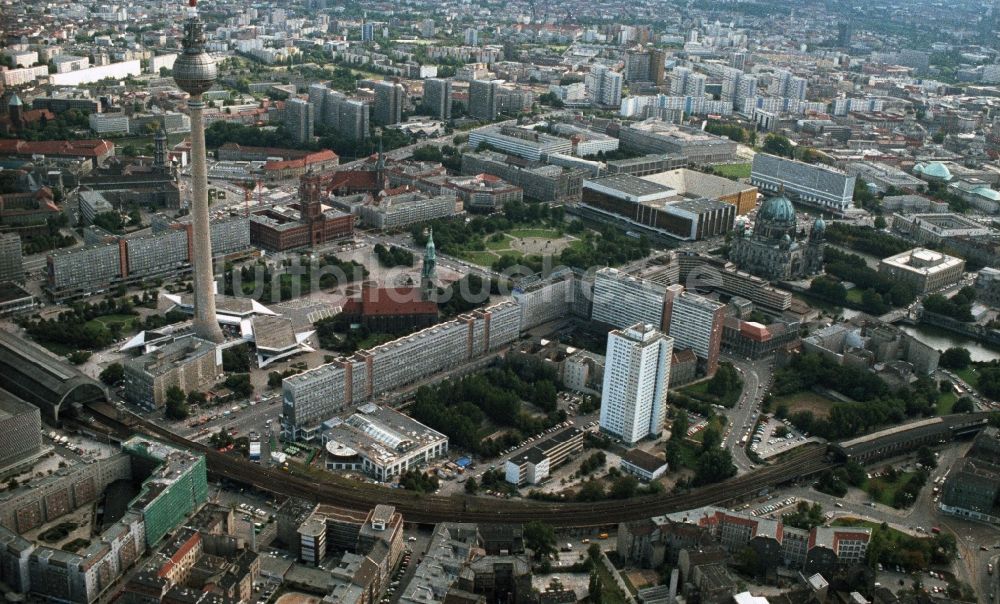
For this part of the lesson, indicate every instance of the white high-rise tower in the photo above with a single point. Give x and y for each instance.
(636, 377)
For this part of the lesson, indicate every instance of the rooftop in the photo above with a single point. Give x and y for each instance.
(699, 184)
(923, 261)
(380, 433)
(643, 460)
(170, 356)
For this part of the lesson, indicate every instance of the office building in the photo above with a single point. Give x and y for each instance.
(484, 192)
(11, 262)
(165, 251)
(539, 181)
(21, 426)
(923, 270)
(973, 484)
(188, 363)
(988, 287)
(655, 136)
(409, 207)
(534, 465)
(523, 142)
(692, 183)
(367, 32)
(472, 36)
(657, 207)
(483, 99)
(389, 100)
(437, 98)
(604, 86)
(300, 120)
(315, 396)
(813, 184)
(644, 466)
(177, 487)
(622, 300)
(636, 377)
(695, 323)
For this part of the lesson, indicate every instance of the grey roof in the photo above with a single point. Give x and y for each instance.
(632, 185)
(40, 378)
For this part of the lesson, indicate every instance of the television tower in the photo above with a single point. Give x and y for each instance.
(195, 72)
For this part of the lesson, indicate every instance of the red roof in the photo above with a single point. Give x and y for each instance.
(313, 158)
(755, 331)
(389, 301)
(354, 180)
(82, 148)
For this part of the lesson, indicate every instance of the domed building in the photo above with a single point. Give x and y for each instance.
(771, 250)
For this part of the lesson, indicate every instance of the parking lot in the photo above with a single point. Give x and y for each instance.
(775, 509)
(772, 436)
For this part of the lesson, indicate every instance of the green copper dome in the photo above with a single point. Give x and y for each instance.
(935, 169)
(776, 209)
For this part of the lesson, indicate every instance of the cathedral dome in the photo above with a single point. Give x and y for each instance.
(777, 209)
(819, 225)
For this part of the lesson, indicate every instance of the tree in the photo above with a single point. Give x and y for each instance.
(955, 358)
(776, 144)
(196, 398)
(595, 588)
(963, 405)
(624, 487)
(678, 430)
(592, 490)
(880, 222)
(540, 538)
(176, 406)
(711, 438)
(714, 465)
(925, 457)
(79, 357)
(471, 486)
(855, 473)
(113, 374)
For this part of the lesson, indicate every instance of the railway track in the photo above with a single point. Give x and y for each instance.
(341, 492)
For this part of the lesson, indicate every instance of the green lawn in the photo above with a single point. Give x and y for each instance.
(889, 488)
(688, 454)
(481, 258)
(969, 375)
(542, 233)
(807, 400)
(716, 421)
(120, 319)
(498, 245)
(512, 253)
(733, 170)
(854, 295)
(945, 403)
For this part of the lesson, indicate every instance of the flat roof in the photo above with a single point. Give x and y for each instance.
(630, 185)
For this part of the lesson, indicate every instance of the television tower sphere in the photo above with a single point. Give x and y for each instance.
(194, 71)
